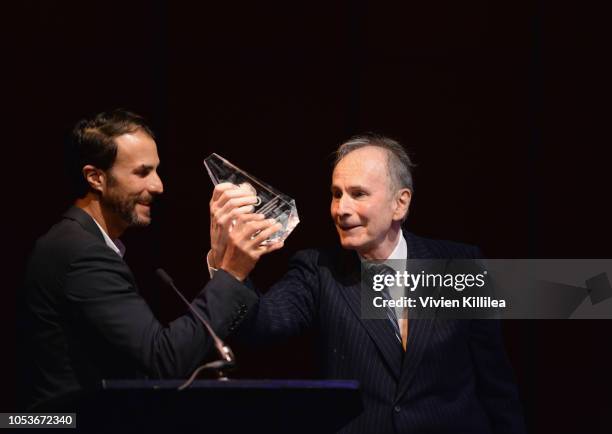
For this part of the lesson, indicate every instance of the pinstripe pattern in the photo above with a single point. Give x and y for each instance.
(454, 378)
(391, 316)
(381, 269)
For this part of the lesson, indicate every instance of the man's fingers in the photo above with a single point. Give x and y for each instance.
(272, 247)
(250, 225)
(224, 215)
(220, 188)
(247, 209)
(240, 221)
(250, 219)
(237, 202)
(227, 191)
(226, 197)
(264, 249)
(264, 233)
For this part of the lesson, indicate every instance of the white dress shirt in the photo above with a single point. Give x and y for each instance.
(116, 245)
(395, 261)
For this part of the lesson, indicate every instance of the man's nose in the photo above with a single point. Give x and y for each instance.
(156, 186)
(344, 206)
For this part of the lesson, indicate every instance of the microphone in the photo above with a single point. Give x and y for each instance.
(227, 360)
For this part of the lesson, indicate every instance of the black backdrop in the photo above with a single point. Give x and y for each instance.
(502, 104)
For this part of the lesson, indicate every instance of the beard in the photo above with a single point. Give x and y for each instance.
(124, 205)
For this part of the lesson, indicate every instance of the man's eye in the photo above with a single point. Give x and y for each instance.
(359, 193)
(336, 194)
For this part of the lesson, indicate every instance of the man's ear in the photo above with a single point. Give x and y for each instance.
(402, 204)
(95, 177)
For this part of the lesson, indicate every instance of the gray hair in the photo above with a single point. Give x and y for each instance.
(399, 164)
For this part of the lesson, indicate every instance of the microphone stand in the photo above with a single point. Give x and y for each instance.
(227, 361)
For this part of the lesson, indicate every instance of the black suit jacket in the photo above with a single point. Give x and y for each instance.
(454, 377)
(86, 320)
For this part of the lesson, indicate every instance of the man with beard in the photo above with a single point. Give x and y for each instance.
(85, 318)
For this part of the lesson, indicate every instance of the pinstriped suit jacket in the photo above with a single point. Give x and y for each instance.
(454, 377)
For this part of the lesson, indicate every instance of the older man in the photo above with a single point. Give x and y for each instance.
(438, 376)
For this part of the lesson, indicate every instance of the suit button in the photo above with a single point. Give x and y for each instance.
(397, 408)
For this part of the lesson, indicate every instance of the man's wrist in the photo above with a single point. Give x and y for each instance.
(212, 270)
(210, 260)
(235, 275)
(210, 263)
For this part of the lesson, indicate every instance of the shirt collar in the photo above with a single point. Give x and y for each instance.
(399, 252)
(401, 248)
(117, 246)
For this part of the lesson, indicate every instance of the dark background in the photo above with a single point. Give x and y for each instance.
(503, 105)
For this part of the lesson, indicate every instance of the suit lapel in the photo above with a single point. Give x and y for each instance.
(85, 220)
(418, 339)
(419, 328)
(380, 330)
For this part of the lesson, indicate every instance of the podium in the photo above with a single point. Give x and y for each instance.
(213, 406)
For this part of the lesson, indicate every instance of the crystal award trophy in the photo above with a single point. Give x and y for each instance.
(270, 202)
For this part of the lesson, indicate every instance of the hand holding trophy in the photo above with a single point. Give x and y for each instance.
(248, 217)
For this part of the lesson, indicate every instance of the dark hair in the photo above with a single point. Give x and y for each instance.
(92, 141)
(399, 163)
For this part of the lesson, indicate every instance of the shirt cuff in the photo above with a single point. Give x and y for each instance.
(211, 270)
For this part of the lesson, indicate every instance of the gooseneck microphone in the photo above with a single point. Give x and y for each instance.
(227, 360)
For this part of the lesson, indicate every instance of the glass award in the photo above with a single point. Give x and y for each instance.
(270, 202)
